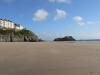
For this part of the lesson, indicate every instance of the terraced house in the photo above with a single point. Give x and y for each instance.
(7, 24)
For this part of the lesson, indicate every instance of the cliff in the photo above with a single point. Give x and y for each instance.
(17, 36)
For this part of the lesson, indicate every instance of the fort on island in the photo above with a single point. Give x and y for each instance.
(7, 24)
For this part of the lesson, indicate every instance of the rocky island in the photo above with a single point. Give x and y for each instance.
(66, 38)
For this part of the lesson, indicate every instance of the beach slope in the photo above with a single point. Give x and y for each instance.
(49, 58)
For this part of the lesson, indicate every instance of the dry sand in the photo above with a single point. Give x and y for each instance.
(58, 58)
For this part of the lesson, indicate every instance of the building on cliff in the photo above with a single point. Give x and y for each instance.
(7, 24)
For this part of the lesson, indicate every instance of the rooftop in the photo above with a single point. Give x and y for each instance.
(6, 20)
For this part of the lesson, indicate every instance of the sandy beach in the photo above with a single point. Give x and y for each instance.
(49, 58)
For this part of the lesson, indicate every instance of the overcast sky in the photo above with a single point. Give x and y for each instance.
(55, 18)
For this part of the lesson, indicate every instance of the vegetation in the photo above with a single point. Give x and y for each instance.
(9, 35)
(66, 38)
(22, 35)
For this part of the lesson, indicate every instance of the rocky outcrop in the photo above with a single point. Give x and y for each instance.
(17, 36)
(66, 38)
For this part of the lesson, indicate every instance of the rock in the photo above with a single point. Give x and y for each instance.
(17, 36)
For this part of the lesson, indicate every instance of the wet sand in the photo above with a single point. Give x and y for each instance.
(48, 58)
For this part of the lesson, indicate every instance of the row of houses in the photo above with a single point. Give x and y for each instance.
(7, 24)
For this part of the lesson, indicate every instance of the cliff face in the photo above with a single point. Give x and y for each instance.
(17, 36)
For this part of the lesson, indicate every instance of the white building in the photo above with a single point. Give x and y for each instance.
(18, 27)
(10, 25)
